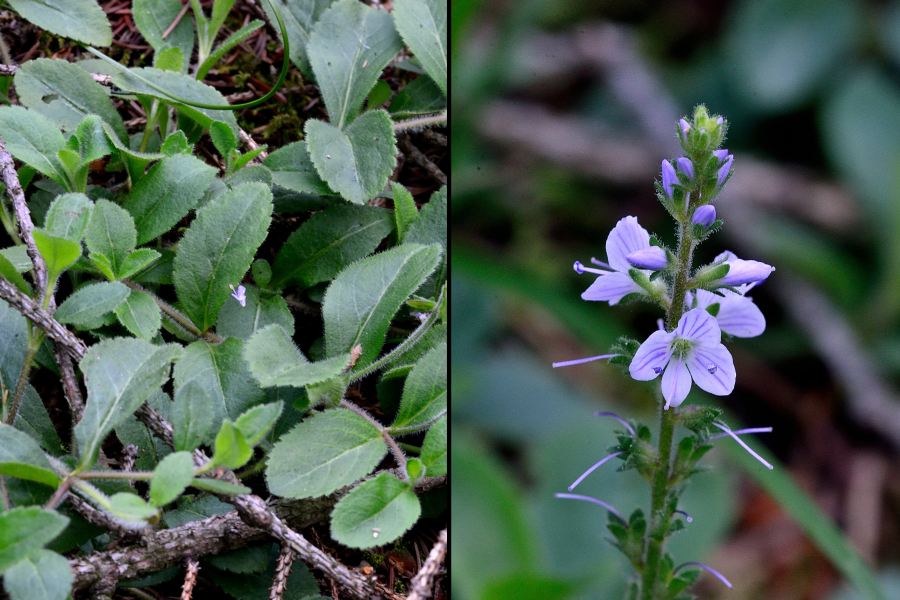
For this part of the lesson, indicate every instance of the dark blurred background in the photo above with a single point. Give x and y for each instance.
(562, 112)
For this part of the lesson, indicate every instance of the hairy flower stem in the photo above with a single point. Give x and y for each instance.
(658, 518)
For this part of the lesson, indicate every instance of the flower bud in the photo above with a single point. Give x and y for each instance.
(652, 258)
(724, 170)
(685, 166)
(704, 215)
(684, 128)
(721, 155)
(668, 178)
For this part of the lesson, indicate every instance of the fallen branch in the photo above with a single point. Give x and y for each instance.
(422, 582)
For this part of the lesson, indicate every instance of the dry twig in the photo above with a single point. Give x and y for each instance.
(421, 583)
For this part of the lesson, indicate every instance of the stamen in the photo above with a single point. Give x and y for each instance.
(661, 324)
(592, 500)
(706, 568)
(600, 263)
(593, 468)
(745, 431)
(579, 361)
(749, 450)
(687, 518)
(579, 268)
(621, 421)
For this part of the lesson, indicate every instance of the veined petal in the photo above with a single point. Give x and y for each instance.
(739, 316)
(712, 368)
(652, 356)
(746, 271)
(610, 287)
(653, 258)
(626, 237)
(705, 299)
(698, 326)
(676, 383)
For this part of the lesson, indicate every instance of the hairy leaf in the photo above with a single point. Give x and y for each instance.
(257, 422)
(171, 477)
(41, 575)
(81, 20)
(275, 361)
(130, 508)
(111, 233)
(140, 315)
(25, 529)
(405, 211)
(218, 248)
(194, 416)
(153, 18)
(231, 448)
(65, 93)
(375, 513)
(21, 457)
(68, 216)
(362, 300)
(59, 253)
(330, 241)
(299, 18)
(243, 321)
(292, 169)
(120, 374)
(349, 47)
(425, 391)
(86, 306)
(324, 453)
(166, 194)
(356, 161)
(33, 139)
(423, 26)
(434, 449)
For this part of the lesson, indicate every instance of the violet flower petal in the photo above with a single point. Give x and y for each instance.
(745, 271)
(652, 356)
(712, 369)
(698, 326)
(610, 287)
(626, 237)
(676, 383)
(668, 178)
(739, 316)
(685, 166)
(653, 258)
(704, 215)
(724, 170)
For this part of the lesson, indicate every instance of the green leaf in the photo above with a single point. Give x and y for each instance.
(362, 300)
(419, 97)
(231, 448)
(59, 253)
(355, 161)
(324, 453)
(415, 469)
(22, 457)
(9, 272)
(405, 211)
(292, 169)
(257, 422)
(275, 361)
(130, 508)
(65, 93)
(375, 513)
(218, 248)
(227, 45)
(423, 26)
(194, 416)
(349, 47)
(434, 449)
(223, 138)
(18, 258)
(92, 138)
(25, 529)
(120, 375)
(41, 575)
(137, 260)
(87, 305)
(81, 20)
(111, 233)
(181, 86)
(243, 321)
(33, 139)
(781, 51)
(424, 393)
(220, 370)
(170, 190)
(68, 216)
(299, 18)
(431, 225)
(328, 242)
(171, 477)
(217, 486)
(153, 18)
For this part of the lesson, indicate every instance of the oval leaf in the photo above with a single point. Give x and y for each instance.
(85, 307)
(41, 575)
(81, 20)
(424, 393)
(171, 477)
(423, 26)
(374, 513)
(275, 361)
(23, 530)
(324, 453)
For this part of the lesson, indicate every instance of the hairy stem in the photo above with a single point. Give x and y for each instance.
(33, 344)
(661, 478)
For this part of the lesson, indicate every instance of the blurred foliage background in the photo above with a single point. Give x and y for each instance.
(562, 112)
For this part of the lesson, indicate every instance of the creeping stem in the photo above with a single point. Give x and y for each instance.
(659, 492)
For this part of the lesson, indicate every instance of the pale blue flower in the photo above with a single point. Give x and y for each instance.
(738, 315)
(615, 283)
(685, 166)
(669, 178)
(239, 294)
(742, 271)
(704, 215)
(693, 352)
(653, 258)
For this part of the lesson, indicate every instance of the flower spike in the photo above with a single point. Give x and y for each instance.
(593, 468)
(592, 500)
(708, 569)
